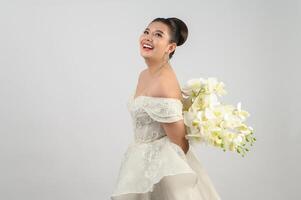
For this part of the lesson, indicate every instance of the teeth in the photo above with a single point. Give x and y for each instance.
(148, 46)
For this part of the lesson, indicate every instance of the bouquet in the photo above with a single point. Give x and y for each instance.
(209, 121)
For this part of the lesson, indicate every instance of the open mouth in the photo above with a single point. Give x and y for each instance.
(147, 47)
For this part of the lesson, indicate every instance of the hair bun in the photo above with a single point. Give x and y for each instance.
(182, 30)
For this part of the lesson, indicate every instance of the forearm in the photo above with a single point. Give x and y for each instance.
(176, 132)
(183, 143)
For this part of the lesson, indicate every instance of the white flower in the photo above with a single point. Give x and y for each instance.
(239, 106)
(212, 82)
(237, 140)
(209, 114)
(191, 85)
(208, 120)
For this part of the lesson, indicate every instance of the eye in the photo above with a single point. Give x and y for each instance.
(159, 34)
(145, 32)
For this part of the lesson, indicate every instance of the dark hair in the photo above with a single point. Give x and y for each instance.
(178, 30)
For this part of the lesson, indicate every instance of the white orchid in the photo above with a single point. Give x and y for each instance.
(209, 121)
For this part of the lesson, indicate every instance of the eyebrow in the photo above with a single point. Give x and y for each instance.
(156, 30)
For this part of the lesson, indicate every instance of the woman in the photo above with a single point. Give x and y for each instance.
(160, 164)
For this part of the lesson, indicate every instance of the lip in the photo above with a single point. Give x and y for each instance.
(146, 49)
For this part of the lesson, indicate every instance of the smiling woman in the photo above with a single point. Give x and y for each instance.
(160, 164)
(174, 31)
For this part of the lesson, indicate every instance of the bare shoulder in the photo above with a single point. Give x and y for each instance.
(141, 75)
(168, 86)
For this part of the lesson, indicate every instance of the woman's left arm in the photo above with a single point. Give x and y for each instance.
(176, 132)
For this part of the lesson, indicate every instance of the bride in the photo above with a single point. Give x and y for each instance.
(160, 164)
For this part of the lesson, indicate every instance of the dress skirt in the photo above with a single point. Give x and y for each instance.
(179, 177)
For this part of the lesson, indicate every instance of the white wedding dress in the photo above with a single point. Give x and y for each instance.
(153, 167)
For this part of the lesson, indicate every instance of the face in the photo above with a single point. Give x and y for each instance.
(156, 36)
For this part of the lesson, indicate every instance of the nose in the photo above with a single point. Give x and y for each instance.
(149, 37)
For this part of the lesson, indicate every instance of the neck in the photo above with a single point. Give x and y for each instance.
(154, 65)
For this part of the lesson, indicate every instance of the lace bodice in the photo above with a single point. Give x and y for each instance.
(147, 112)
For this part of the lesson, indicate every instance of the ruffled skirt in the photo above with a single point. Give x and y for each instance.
(160, 170)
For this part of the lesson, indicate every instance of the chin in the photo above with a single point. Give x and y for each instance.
(144, 55)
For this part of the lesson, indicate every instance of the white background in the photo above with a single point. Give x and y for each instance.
(67, 69)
